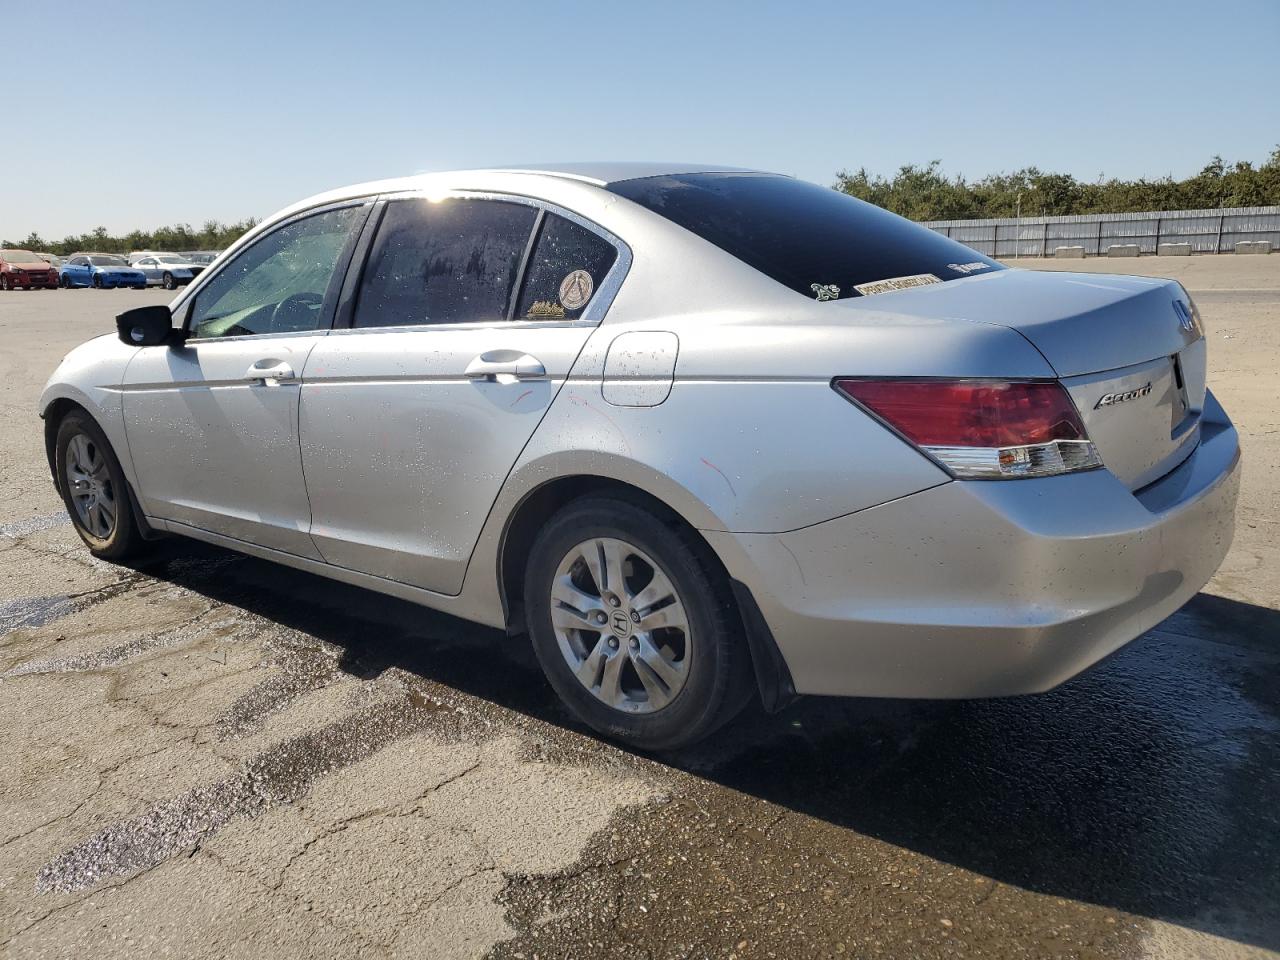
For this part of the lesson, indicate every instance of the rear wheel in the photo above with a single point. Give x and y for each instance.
(95, 491)
(4, 283)
(634, 625)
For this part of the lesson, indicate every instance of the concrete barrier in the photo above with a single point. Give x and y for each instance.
(1124, 250)
(1253, 246)
(1069, 253)
(1175, 250)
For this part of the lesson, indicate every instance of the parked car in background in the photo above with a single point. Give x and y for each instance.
(695, 432)
(202, 257)
(52, 259)
(169, 270)
(22, 268)
(101, 270)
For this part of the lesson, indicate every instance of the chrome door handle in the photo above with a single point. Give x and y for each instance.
(505, 366)
(267, 370)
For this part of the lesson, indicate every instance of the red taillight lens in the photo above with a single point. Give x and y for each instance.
(971, 413)
(983, 429)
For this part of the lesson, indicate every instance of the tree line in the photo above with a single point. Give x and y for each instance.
(927, 193)
(212, 236)
(916, 192)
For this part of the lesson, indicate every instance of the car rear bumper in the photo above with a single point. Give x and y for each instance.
(996, 588)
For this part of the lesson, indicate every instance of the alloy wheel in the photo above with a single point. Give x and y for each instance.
(90, 486)
(621, 626)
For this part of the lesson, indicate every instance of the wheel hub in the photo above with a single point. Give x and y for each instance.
(621, 625)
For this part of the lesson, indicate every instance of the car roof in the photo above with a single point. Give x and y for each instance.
(603, 173)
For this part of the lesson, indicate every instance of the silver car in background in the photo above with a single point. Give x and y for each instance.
(700, 434)
(168, 270)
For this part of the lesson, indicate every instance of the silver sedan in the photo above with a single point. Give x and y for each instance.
(699, 434)
(168, 270)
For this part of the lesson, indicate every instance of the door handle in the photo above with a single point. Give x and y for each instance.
(505, 366)
(269, 370)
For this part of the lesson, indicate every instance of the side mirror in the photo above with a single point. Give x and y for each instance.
(148, 327)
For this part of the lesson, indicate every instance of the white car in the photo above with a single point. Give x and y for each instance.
(168, 270)
(697, 433)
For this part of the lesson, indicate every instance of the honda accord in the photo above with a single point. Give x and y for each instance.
(700, 434)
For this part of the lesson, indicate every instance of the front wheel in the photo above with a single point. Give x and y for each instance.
(95, 491)
(4, 283)
(168, 282)
(63, 282)
(97, 282)
(634, 624)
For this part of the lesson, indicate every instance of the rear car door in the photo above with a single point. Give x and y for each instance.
(416, 407)
(212, 424)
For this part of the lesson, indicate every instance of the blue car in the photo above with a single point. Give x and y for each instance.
(100, 270)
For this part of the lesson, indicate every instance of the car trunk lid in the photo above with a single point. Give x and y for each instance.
(1125, 348)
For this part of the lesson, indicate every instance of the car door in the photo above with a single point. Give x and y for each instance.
(212, 424)
(77, 271)
(416, 407)
(148, 267)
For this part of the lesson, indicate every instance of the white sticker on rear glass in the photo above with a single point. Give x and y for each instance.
(825, 291)
(969, 267)
(896, 283)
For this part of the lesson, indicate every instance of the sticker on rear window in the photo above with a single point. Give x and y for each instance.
(545, 310)
(825, 291)
(575, 290)
(897, 283)
(969, 267)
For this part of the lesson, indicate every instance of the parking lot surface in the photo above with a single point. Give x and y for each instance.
(214, 756)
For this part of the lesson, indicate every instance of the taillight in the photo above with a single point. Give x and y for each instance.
(982, 429)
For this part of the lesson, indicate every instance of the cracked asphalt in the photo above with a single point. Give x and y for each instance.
(211, 756)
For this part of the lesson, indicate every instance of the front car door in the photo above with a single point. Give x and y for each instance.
(212, 424)
(148, 267)
(416, 407)
(78, 272)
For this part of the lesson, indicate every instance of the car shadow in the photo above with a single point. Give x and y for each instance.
(1148, 784)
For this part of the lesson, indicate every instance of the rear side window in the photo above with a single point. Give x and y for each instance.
(817, 241)
(448, 261)
(568, 265)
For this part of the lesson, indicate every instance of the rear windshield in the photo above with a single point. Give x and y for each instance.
(815, 240)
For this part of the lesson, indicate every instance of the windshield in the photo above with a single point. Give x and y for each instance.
(170, 258)
(108, 261)
(19, 256)
(815, 240)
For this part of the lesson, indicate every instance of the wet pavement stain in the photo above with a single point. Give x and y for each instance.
(281, 774)
(33, 612)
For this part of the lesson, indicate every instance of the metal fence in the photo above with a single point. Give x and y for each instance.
(1207, 231)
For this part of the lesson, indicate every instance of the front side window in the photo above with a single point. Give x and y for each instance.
(568, 265)
(447, 261)
(279, 284)
(819, 242)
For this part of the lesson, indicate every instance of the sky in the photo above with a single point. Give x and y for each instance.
(144, 114)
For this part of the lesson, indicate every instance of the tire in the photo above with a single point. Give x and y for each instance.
(83, 450)
(704, 676)
(4, 283)
(64, 282)
(168, 282)
(97, 281)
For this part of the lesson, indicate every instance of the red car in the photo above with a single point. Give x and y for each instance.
(22, 268)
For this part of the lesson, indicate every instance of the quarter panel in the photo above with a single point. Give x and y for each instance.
(731, 455)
